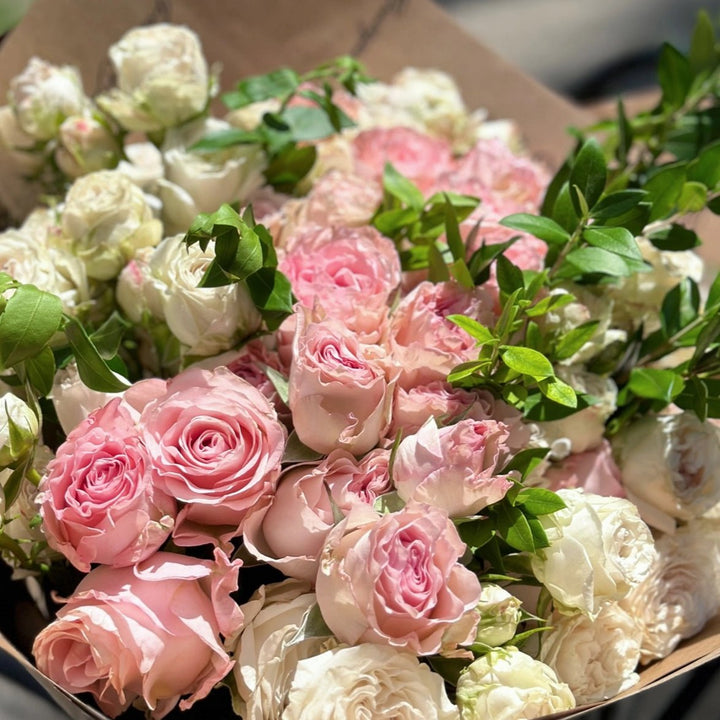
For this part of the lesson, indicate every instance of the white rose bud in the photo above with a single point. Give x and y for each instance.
(367, 681)
(268, 651)
(165, 283)
(18, 429)
(162, 78)
(599, 550)
(506, 684)
(596, 658)
(669, 463)
(499, 615)
(43, 95)
(198, 182)
(85, 145)
(107, 219)
(683, 590)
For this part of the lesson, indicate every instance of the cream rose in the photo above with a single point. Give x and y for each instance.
(599, 549)
(367, 681)
(107, 219)
(162, 78)
(500, 615)
(596, 658)
(18, 442)
(164, 282)
(669, 463)
(85, 145)
(507, 684)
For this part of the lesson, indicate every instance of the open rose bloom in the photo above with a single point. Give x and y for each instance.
(307, 412)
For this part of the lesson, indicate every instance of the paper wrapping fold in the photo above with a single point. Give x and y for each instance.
(253, 36)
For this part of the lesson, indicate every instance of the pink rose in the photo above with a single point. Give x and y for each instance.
(395, 580)
(147, 634)
(423, 343)
(97, 498)
(290, 532)
(419, 157)
(593, 470)
(216, 445)
(348, 272)
(455, 468)
(340, 397)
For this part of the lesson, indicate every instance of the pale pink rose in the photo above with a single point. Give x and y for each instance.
(147, 634)
(396, 580)
(139, 394)
(418, 157)
(456, 468)
(289, 533)
(350, 273)
(340, 396)
(216, 445)
(97, 498)
(423, 343)
(593, 470)
(284, 338)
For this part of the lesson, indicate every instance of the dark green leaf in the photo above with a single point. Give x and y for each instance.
(570, 342)
(541, 227)
(676, 237)
(513, 527)
(479, 264)
(509, 276)
(539, 408)
(674, 76)
(275, 84)
(703, 55)
(680, 306)
(551, 194)
(290, 165)
(448, 668)
(664, 189)
(625, 133)
(11, 487)
(527, 362)
(655, 384)
(539, 501)
(452, 233)
(616, 240)
(617, 204)
(589, 173)
(30, 319)
(93, 370)
(437, 268)
(713, 298)
(564, 212)
(272, 294)
(591, 260)
(214, 276)
(40, 371)
(706, 168)
(476, 533)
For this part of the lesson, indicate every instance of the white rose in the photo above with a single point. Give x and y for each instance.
(500, 614)
(162, 78)
(73, 400)
(18, 143)
(25, 257)
(43, 95)
(599, 549)
(144, 165)
(596, 658)
(199, 182)
(107, 219)
(583, 430)
(506, 684)
(367, 681)
(85, 145)
(669, 463)
(683, 591)
(638, 297)
(18, 442)
(268, 651)
(165, 283)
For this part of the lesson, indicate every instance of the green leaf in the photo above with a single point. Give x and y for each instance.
(558, 391)
(11, 487)
(479, 264)
(452, 233)
(564, 212)
(93, 370)
(655, 384)
(465, 370)
(541, 227)
(674, 76)
(571, 341)
(30, 320)
(713, 297)
(476, 533)
(539, 408)
(525, 460)
(702, 46)
(664, 189)
(279, 381)
(437, 268)
(550, 302)
(109, 335)
(473, 328)
(391, 222)
(222, 139)
(40, 371)
(680, 306)
(692, 197)
(513, 527)
(309, 123)
(554, 186)
(592, 260)
(262, 87)
(625, 133)
(589, 173)
(617, 204)
(509, 276)
(402, 188)
(527, 362)
(447, 668)
(539, 501)
(676, 237)
(290, 165)
(616, 240)
(296, 452)
(272, 294)
(705, 168)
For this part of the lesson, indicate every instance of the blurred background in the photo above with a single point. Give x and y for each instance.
(590, 52)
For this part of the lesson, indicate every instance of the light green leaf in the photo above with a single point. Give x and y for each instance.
(539, 501)
(692, 197)
(589, 260)
(655, 384)
(571, 341)
(674, 76)
(616, 240)
(558, 391)
(664, 189)
(473, 328)
(541, 227)
(527, 361)
(402, 188)
(254, 89)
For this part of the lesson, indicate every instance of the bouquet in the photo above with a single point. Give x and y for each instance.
(344, 405)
